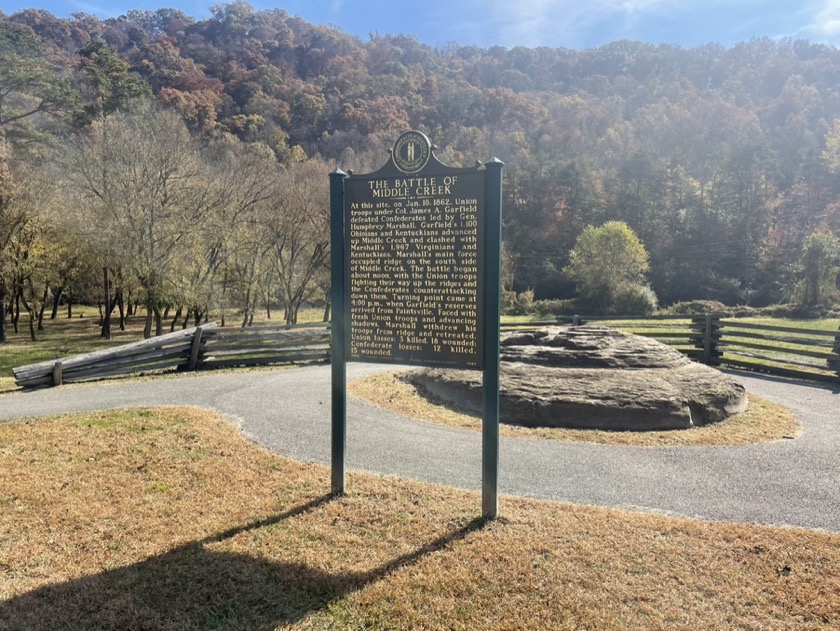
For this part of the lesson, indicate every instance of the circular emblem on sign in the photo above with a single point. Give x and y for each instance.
(412, 151)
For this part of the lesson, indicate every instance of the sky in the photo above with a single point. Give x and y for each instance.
(556, 23)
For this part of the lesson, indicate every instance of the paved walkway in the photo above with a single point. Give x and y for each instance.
(791, 482)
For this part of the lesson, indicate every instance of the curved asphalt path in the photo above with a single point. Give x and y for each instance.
(790, 482)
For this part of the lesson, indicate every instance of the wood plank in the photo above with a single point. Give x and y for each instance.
(776, 338)
(274, 327)
(270, 348)
(92, 372)
(268, 354)
(731, 346)
(181, 351)
(125, 371)
(69, 365)
(38, 382)
(284, 340)
(734, 324)
(240, 352)
(178, 337)
(771, 358)
(783, 372)
(229, 363)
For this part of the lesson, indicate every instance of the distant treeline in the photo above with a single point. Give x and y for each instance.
(722, 160)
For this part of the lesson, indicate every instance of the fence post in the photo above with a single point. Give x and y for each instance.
(706, 337)
(713, 334)
(575, 320)
(56, 373)
(196, 346)
(834, 362)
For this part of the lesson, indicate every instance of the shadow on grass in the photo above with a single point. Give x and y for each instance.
(192, 587)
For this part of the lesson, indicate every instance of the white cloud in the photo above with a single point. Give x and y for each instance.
(102, 11)
(825, 25)
(572, 22)
(563, 22)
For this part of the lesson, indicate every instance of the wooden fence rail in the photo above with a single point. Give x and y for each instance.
(708, 338)
(265, 345)
(202, 347)
(170, 351)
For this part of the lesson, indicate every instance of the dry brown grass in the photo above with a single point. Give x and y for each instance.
(764, 421)
(170, 519)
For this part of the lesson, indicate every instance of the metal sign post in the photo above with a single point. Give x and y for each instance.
(492, 307)
(337, 332)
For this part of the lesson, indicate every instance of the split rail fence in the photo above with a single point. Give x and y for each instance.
(199, 348)
(802, 353)
(708, 338)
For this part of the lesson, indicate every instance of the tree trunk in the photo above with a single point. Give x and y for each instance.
(147, 328)
(70, 308)
(2, 311)
(158, 321)
(43, 308)
(106, 320)
(16, 313)
(175, 319)
(31, 313)
(30, 310)
(326, 311)
(224, 294)
(166, 313)
(59, 292)
(121, 305)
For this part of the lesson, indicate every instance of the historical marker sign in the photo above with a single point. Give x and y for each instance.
(414, 261)
(416, 257)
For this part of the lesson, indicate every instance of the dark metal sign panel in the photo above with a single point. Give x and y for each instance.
(414, 260)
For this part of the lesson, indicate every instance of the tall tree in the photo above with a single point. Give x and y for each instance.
(604, 261)
(298, 233)
(30, 83)
(143, 195)
(11, 220)
(819, 268)
(107, 82)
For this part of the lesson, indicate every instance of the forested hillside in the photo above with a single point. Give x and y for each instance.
(724, 161)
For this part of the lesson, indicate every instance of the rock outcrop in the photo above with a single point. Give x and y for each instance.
(592, 377)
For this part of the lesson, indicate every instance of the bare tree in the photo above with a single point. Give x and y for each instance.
(143, 194)
(245, 178)
(11, 220)
(297, 229)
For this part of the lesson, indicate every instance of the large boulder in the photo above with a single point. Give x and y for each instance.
(592, 377)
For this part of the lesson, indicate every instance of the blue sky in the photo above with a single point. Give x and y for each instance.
(568, 23)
